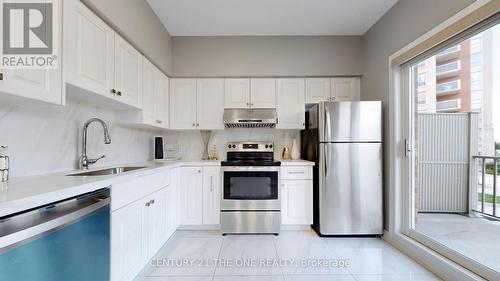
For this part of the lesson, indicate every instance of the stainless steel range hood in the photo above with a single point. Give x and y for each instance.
(250, 118)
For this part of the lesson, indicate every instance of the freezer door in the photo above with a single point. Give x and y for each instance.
(350, 121)
(350, 189)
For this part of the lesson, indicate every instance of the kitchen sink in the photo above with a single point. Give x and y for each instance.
(109, 171)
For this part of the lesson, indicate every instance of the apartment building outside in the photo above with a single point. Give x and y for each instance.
(464, 78)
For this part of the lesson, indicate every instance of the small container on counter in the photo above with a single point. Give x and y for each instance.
(4, 164)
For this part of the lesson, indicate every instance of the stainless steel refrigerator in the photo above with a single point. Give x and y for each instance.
(344, 139)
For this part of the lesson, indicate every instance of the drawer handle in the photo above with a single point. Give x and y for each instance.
(1, 76)
(301, 172)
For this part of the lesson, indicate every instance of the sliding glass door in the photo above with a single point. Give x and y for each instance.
(452, 118)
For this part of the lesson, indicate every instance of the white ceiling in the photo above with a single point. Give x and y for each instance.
(269, 17)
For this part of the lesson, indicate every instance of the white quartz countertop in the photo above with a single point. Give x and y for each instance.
(24, 193)
(296, 163)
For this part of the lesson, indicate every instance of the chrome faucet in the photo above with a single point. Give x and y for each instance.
(85, 161)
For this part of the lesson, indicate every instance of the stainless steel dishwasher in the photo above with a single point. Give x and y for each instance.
(65, 240)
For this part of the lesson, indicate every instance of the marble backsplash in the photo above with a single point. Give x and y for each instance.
(47, 139)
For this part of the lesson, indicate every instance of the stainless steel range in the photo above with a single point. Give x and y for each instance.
(251, 196)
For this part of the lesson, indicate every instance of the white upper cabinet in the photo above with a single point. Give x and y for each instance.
(128, 73)
(317, 89)
(211, 195)
(332, 89)
(88, 50)
(263, 93)
(183, 104)
(237, 93)
(149, 107)
(345, 89)
(162, 105)
(210, 104)
(291, 103)
(34, 84)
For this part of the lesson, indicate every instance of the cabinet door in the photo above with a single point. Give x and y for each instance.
(36, 84)
(191, 199)
(345, 89)
(149, 92)
(162, 102)
(88, 50)
(172, 208)
(263, 93)
(317, 89)
(128, 73)
(183, 103)
(210, 104)
(296, 206)
(128, 241)
(211, 195)
(157, 221)
(237, 93)
(291, 104)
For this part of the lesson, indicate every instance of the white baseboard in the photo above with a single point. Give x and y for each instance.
(437, 264)
(199, 227)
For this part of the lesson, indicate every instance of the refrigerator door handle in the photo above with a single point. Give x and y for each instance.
(407, 148)
(326, 154)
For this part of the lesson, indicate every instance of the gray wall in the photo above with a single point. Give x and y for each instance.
(137, 22)
(267, 56)
(405, 22)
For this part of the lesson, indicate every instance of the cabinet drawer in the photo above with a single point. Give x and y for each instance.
(126, 192)
(296, 173)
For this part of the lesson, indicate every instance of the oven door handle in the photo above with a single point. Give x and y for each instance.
(251, 169)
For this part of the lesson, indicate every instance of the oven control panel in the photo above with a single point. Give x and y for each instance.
(250, 146)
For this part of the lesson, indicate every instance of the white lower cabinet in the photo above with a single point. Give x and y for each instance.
(200, 189)
(129, 251)
(211, 195)
(156, 212)
(191, 199)
(297, 196)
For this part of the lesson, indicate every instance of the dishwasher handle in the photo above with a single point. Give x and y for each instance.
(23, 227)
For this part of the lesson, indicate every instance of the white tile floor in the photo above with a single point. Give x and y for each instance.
(218, 258)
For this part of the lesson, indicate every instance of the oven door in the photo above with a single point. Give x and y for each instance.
(251, 188)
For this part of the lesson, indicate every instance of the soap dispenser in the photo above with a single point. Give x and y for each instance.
(4, 164)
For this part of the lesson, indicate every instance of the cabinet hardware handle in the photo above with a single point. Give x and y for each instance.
(1, 76)
(199, 171)
(158, 121)
(197, 125)
(152, 202)
(148, 204)
(211, 184)
(333, 98)
(119, 93)
(291, 172)
(113, 91)
(194, 125)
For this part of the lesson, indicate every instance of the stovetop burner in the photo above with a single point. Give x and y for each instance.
(250, 154)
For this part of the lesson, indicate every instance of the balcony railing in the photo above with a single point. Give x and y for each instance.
(448, 87)
(448, 70)
(488, 196)
(448, 54)
(453, 105)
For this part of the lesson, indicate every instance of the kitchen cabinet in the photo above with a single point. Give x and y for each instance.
(129, 236)
(45, 85)
(317, 89)
(210, 104)
(237, 93)
(88, 50)
(196, 104)
(191, 197)
(155, 100)
(263, 93)
(156, 205)
(345, 89)
(291, 103)
(250, 93)
(297, 193)
(332, 89)
(211, 195)
(183, 103)
(128, 73)
(98, 62)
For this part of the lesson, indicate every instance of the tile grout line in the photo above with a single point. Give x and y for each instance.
(339, 257)
(277, 254)
(218, 256)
